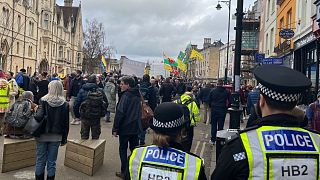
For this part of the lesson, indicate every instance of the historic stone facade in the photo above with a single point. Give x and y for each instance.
(40, 35)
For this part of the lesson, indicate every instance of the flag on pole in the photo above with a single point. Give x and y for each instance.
(103, 69)
(196, 54)
(182, 66)
(167, 67)
(103, 60)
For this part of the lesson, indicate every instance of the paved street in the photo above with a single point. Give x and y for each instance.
(111, 164)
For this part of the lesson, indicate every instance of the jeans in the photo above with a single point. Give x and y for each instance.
(218, 116)
(123, 147)
(206, 113)
(47, 153)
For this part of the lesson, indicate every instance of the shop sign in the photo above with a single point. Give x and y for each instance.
(260, 57)
(286, 33)
(304, 41)
(277, 61)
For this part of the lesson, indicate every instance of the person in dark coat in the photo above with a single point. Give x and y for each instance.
(53, 132)
(204, 96)
(92, 122)
(219, 100)
(167, 90)
(75, 86)
(127, 121)
(42, 86)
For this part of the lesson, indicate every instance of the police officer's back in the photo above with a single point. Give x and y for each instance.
(276, 148)
(165, 159)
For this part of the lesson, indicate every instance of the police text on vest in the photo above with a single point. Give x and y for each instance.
(165, 156)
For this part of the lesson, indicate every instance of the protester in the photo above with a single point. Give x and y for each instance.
(14, 88)
(127, 122)
(55, 77)
(75, 86)
(4, 99)
(33, 87)
(110, 91)
(53, 132)
(193, 116)
(180, 87)
(219, 100)
(166, 140)
(204, 96)
(23, 80)
(167, 90)
(90, 106)
(154, 95)
(19, 115)
(42, 86)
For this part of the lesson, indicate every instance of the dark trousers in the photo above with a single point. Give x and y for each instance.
(187, 141)
(218, 116)
(94, 125)
(124, 140)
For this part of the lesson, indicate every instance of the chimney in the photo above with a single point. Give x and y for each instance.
(206, 43)
(68, 3)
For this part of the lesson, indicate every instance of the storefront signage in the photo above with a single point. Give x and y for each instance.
(286, 33)
(260, 57)
(277, 61)
(304, 41)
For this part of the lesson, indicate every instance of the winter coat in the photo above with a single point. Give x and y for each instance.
(75, 86)
(181, 88)
(57, 119)
(82, 95)
(43, 90)
(204, 94)
(110, 91)
(219, 98)
(5, 96)
(166, 91)
(127, 120)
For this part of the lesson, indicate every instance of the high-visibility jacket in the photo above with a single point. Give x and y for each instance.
(194, 113)
(153, 162)
(4, 96)
(281, 153)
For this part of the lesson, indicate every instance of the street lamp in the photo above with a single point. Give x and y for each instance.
(219, 7)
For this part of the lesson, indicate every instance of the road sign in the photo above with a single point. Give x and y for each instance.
(277, 61)
(286, 33)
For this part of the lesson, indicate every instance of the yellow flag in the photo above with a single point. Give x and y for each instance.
(182, 66)
(103, 59)
(167, 67)
(196, 54)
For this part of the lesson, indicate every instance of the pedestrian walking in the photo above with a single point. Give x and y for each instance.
(111, 92)
(219, 100)
(166, 159)
(75, 86)
(277, 148)
(192, 115)
(167, 90)
(127, 122)
(91, 106)
(14, 88)
(204, 96)
(53, 111)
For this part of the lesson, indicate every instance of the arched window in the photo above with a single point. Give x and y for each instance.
(46, 21)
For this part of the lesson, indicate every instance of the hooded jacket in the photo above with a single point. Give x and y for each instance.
(127, 120)
(193, 108)
(82, 95)
(55, 116)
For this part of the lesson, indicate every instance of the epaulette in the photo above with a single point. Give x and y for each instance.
(249, 129)
(232, 138)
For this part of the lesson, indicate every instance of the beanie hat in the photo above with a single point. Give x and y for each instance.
(168, 117)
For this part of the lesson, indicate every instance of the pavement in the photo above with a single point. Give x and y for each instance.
(111, 164)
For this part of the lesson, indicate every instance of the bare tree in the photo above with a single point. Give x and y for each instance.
(94, 45)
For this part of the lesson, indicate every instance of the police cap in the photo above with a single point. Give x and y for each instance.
(281, 83)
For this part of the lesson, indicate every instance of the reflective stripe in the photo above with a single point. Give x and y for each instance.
(191, 168)
(257, 154)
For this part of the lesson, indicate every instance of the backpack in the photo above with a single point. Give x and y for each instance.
(93, 106)
(145, 92)
(19, 80)
(20, 114)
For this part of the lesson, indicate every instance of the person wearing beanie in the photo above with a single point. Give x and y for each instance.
(4, 99)
(90, 106)
(276, 148)
(313, 114)
(166, 156)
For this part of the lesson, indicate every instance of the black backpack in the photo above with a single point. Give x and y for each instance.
(93, 106)
(19, 114)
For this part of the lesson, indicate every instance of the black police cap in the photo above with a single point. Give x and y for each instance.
(281, 83)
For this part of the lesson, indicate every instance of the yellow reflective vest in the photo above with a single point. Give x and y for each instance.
(153, 162)
(193, 108)
(282, 153)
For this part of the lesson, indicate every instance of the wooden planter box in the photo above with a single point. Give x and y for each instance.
(85, 156)
(18, 154)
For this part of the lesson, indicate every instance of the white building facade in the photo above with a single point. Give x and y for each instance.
(223, 60)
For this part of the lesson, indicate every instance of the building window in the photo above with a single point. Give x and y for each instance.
(282, 23)
(5, 16)
(17, 68)
(68, 55)
(79, 58)
(269, 6)
(30, 51)
(303, 13)
(289, 16)
(53, 50)
(273, 6)
(60, 52)
(31, 28)
(271, 40)
(18, 46)
(267, 44)
(46, 21)
(19, 22)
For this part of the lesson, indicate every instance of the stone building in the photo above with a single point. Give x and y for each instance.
(40, 35)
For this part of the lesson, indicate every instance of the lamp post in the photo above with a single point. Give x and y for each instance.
(219, 7)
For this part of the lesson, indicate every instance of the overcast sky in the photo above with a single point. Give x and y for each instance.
(143, 29)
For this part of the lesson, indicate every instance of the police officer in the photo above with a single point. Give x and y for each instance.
(166, 158)
(276, 148)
